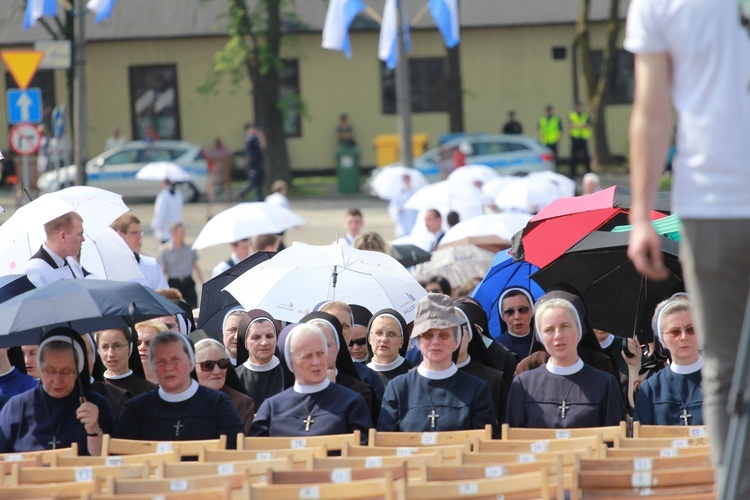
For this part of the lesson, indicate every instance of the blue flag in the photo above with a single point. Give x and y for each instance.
(388, 44)
(339, 17)
(445, 14)
(36, 9)
(102, 9)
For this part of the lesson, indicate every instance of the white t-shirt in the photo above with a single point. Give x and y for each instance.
(167, 211)
(710, 55)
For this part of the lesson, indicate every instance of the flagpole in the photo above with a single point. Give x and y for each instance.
(80, 153)
(403, 89)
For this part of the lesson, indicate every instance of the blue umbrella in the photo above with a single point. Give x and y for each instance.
(504, 273)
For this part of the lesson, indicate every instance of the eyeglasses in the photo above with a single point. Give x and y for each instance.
(207, 366)
(65, 372)
(134, 232)
(388, 335)
(360, 342)
(676, 332)
(115, 347)
(147, 343)
(521, 310)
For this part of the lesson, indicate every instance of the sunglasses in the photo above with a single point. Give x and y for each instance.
(207, 366)
(360, 342)
(521, 310)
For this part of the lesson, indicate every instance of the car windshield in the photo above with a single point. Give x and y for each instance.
(122, 158)
(154, 154)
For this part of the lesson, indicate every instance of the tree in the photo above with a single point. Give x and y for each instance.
(598, 89)
(254, 48)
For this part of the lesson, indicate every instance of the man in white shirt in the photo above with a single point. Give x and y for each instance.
(115, 140)
(240, 251)
(353, 223)
(167, 211)
(128, 226)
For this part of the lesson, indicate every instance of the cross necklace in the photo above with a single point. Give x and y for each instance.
(177, 428)
(685, 416)
(309, 420)
(433, 416)
(564, 407)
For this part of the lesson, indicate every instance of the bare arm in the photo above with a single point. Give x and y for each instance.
(650, 133)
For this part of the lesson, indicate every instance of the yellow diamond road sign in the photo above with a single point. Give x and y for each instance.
(22, 64)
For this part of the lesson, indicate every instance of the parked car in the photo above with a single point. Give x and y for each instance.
(508, 154)
(115, 169)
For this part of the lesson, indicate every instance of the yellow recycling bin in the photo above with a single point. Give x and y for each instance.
(387, 148)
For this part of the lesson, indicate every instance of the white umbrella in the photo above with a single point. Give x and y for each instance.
(291, 283)
(486, 230)
(162, 170)
(246, 220)
(469, 174)
(108, 257)
(445, 196)
(457, 264)
(388, 181)
(532, 193)
(492, 188)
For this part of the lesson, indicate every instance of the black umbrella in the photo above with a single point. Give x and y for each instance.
(84, 305)
(619, 300)
(409, 255)
(13, 285)
(215, 302)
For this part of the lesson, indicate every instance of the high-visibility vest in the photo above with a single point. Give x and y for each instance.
(580, 128)
(549, 130)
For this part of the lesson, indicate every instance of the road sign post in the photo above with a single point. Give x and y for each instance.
(25, 140)
(24, 106)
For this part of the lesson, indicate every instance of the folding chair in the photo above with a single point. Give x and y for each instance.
(47, 455)
(301, 457)
(42, 475)
(608, 434)
(329, 443)
(254, 470)
(114, 446)
(534, 484)
(668, 431)
(384, 487)
(417, 439)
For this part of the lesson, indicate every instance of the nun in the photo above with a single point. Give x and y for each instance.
(313, 406)
(116, 348)
(260, 371)
(229, 328)
(53, 415)
(181, 409)
(115, 396)
(674, 396)
(516, 311)
(386, 336)
(437, 396)
(565, 392)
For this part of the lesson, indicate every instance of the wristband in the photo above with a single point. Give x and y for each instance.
(95, 434)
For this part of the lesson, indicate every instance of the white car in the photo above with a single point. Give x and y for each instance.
(115, 169)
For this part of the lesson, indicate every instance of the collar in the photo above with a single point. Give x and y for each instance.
(487, 341)
(378, 367)
(118, 377)
(607, 342)
(687, 369)
(565, 370)
(181, 396)
(360, 360)
(234, 258)
(464, 363)
(312, 388)
(519, 336)
(262, 368)
(437, 375)
(8, 372)
(233, 361)
(58, 260)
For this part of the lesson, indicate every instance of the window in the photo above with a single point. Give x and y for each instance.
(622, 84)
(428, 88)
(153, 100)
(44, 79)
(289, 98)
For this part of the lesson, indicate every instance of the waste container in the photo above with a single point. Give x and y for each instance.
(419, 144)
(386, 149)
(347, 168)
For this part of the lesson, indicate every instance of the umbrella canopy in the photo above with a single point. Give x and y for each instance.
(469, 174)
(566, 221)
(108, 257)
(490, 231)
(492, 188)
(457, 264)
(670, 226)
(619, 300)
(504, 273)
(84, 305)
(246, 220)
(409, 255)
(389, 180)
(163, 171)
(14, 284)
(534, 192)
(445, 196)
(215, 302)
(301, 276)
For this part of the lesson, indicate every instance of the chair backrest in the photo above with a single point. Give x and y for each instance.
(301, 457)
(535, 484)
(384, 487)
(116, 460)
(115, 446)
(668, 431)
(567, 457)
(42, 475)
(337, 475)
(255, 470)
(608, 434)
(414, 463)
(138, 486)
(643, 482)
(451, 453)
(7, 466)
(412, 439)
(47, 455)
(656, 452)
(329, 443)
(646, 463)
(593, 443)
(662, 442)
(217, 493)
(49, 490)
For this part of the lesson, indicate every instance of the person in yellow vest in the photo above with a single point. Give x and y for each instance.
(550, 129)
(580, 132)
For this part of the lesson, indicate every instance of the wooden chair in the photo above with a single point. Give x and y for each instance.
(414, 463)
(47, 455)
(593, 443)
(567, 457)
(337, 475)
(49, 490)
(530, 485)
(417, 439)
(42, 475)
(668, 431)
(301, 457)
(115, 461)
(661, 442)
(451, 453)
(115, 486)
(637, 464)
(329, 443)
(114, 446)
(218, 493)
(384, 487)
(608, 434)
(632, 453)
(7, 466)
(255, 470)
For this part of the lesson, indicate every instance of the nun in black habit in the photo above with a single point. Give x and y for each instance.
(259, 368)
(388, 341)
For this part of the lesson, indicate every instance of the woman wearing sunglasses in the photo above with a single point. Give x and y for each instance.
(213, 371)
(516, 310)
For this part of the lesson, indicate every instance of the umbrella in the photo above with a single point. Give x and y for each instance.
(490, 231)
(409, 255)
(619, 300)
(445, 196)
(492, 188)
(246, 220)
(14, 284)
(215, 302)
(108, 257)
(301, 276)
(163, 171)
(564, 222)
(504, 273)
(670, 226)
(389, 180)
(457, 264)
(534, 192)
(84, 305)
(469, 174)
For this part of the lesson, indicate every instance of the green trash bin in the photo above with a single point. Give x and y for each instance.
(347, 169)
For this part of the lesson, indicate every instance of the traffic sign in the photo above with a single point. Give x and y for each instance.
(58, 121)
(24, 105)
(22, 64)
(25, 139)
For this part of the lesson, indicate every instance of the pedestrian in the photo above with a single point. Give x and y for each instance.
(710, 182)
(345, 132)
(353, 222)
(512, 126)
(128, 226)
(255, 144)
(219, 170)
(278, 194)
(150, 134)
(167, 210)
(115, 140)
(591, 183)
(404, 218)
(550, 129)
(580, 133)
(179, 262)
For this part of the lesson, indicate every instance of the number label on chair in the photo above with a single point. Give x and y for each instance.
(341, 475)
(669, 452)
(298, 443)
(526, 458)
(562, 434)
(179, 485)
(495, 471)
(113, 461)
(12, 457)
(697, 431)
(643, 464)
(429, 438)
(468, 489)
(680, 443)
(163, 447)
(263, 456)
(540, 447)
(405, 452)
(224, 469)
(84, 474)
(309, 493)
(641, 479)
(373, 462)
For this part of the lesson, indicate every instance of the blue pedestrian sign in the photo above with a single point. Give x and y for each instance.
(58, 122)
(24, 105)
